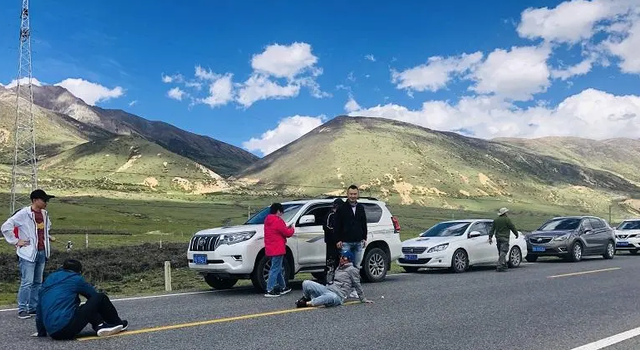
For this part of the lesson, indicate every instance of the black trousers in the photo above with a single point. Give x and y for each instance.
(333, 259)
(96, 310)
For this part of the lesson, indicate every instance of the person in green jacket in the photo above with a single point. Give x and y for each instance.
(502, 228)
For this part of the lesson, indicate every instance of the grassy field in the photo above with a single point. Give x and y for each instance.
(152, 220)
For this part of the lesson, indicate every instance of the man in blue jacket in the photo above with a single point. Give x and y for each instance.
(59, 313)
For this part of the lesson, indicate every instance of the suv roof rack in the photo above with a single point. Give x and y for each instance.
(334, 197)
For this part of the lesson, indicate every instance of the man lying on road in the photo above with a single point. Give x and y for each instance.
(346, 278)
(59, 313)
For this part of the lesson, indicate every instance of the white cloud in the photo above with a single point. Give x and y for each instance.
(90, 93)
(288, 130)
(194, 84)
(351, 105)
(176, 93)
(591, 114)
(177, 78)
(132, 103)
(581, 68)
(285, 61)
(569, 22)
(370, 58)
(206, 74)
(436, 73)
(220, 91)
(517, 74)
(259, 87)
(627, 49)
(23, 81)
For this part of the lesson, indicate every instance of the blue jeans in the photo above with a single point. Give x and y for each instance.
(276, 273)
(356, 249)
(320, 294)
(31, 274)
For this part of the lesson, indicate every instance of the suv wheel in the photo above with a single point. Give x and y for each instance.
(515, 257)
(375, 265)
(576, 252)
(260, 273)
(610, 252)
(219, 283)
(459, 261)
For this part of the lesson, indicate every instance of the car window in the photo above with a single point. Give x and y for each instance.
(586, 224)
(596, 223)
(373, 212)
(629, 225)
(446, 229)
(290, 211)
(482, 227)
(560, 224)
(320, 212)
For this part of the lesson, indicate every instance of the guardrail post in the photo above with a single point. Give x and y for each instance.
(167, 276)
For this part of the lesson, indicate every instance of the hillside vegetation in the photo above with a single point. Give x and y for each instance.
(411, 164)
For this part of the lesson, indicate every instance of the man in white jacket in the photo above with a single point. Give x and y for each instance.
(28, 230)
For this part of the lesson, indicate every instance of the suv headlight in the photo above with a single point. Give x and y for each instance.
(438, 248)
(562, 238)
(236, 237)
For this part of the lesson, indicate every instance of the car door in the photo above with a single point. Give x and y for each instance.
(602, 234)
(310, 237)
(588, 235)
(375, 230)
(479, 249)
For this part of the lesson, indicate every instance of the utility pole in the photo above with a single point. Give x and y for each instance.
(24, 177)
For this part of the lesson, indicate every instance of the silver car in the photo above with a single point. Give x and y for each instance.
(571, 238)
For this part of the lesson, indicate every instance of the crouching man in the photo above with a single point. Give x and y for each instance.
(346, 278)
(59, 313)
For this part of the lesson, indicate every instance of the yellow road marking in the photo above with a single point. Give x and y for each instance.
(208, 322)
(584, 272)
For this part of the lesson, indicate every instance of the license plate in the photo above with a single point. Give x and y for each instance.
(623, 243)
(539, 249)
(200, 259)
(411, 257)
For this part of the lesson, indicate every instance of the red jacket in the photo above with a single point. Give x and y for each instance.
(275, 235)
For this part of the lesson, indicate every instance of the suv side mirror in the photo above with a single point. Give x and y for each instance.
(307, 219)
(473, 234)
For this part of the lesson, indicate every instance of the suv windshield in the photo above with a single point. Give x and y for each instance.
(629, 225)
(561, 224)
(446, 229)
(289, 211)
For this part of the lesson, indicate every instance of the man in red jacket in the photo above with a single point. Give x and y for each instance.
(275, 243)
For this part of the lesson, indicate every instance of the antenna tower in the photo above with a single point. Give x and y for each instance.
(24, 177)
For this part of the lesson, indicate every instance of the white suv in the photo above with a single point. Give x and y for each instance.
(225, 255)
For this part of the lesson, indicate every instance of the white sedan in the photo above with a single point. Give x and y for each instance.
(457, 245)
(628, 236)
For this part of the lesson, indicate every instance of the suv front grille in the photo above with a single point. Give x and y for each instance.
(627, 236)
(204, 243)
(538, 240)
(413, 250)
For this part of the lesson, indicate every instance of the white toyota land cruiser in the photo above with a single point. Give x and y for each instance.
(225, 255)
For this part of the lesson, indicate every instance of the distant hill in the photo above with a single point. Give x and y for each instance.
(223, 158)
(424, 166)
(620, 156)
(132, 160)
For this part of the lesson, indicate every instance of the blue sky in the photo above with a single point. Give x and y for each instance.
(506, 68)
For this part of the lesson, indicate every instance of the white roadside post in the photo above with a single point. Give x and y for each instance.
(167, 276)
(86, 240)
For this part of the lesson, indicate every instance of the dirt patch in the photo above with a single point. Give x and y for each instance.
(464, 179)
(429, 191)
(464, 193)
(151, 182)
(129, 163)
(404, 190)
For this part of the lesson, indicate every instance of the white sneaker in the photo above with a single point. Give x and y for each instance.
(353, 294)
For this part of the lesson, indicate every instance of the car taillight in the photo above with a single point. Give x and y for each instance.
(396, 224)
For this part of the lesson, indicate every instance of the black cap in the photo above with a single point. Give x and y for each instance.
(40, 194)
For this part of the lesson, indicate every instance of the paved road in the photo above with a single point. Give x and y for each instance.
(544, 305)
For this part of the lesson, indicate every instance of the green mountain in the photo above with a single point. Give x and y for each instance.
(135, 161)
(411, 164)
(223, 158)
(619, 156)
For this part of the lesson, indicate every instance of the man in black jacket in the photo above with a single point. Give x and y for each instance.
(331, 241)
(351, 226)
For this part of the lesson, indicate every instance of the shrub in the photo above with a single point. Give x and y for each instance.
(106, 264)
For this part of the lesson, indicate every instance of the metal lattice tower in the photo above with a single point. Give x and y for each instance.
(24, 177)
